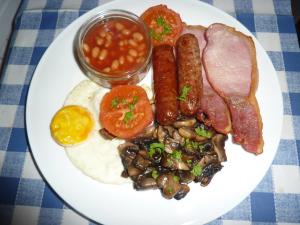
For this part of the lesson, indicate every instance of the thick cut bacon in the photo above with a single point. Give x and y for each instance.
(230, 63)
(212, 105)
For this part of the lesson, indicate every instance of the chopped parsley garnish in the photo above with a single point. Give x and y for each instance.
(130, 114)
(115, 102)
(192, 145)
(201, 131)
(166, 29)
(197, 170)
(201, 148)
(162, 23)
(184, 93)
(156, 147)
(135, 99)
(176, 154)
(154, 174)
(155, 36)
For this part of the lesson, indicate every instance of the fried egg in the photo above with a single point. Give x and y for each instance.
(93, 155)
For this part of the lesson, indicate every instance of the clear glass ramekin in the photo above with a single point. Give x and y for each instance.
(106, 79)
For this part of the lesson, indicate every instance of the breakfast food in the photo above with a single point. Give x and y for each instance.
(230, 62)
(204, 83)
(189, 74)
(71, 125)
(115, 46)
(96, 157)
(171, 157)
(165, 84)
(125, 111)
(164, 24)
(213, 110)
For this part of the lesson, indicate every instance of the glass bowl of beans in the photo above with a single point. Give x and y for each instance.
(114, 48)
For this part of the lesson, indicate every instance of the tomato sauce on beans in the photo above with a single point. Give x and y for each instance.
(115, 46)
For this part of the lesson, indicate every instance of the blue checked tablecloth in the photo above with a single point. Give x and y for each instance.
(24, 196)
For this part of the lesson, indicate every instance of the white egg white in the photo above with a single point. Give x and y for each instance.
(96, 157)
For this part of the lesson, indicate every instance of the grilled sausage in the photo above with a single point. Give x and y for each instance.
(165, 84)
(189, 74)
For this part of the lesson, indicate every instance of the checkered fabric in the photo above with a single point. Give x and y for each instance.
(24, 196)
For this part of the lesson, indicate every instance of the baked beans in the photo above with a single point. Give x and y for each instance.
(115, 46)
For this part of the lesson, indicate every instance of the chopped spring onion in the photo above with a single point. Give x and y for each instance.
(197, 170)
(184, 93)
(201, 131)
(156, 147)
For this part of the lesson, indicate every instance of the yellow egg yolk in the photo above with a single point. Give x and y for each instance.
(71, 125)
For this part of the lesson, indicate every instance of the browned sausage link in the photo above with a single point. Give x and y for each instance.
(189, 74)
(165, 84)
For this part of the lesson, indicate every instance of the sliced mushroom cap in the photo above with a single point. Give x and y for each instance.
(186, 176)
(207, 159)
(169, 185)
(218, 142)
(189, 133)
(140, 162)
(128, 152)
(174, 164)
(171, 144)
(133, 171)
(176, 136)
(185, 123)
(170, 130)
(161, 134)
(143, 153)
(143, 142)
(182, 192)
(149, 132)
(181, 165)
(128, 146)
(145, 183)
(186, 132)
(208, 172)
(124, 174)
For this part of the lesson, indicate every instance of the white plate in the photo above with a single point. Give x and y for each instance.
(57, 73)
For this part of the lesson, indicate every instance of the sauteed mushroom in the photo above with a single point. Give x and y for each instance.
(188, 132)
(173, 157)
(182, 192)
(219, 143)
(185, 123)
(169, 183)
(150, 131)
(208, 172)
(145, 183)
(161, 134)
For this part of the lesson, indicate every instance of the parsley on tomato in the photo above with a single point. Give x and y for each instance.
(164, 24)
(125, 111)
